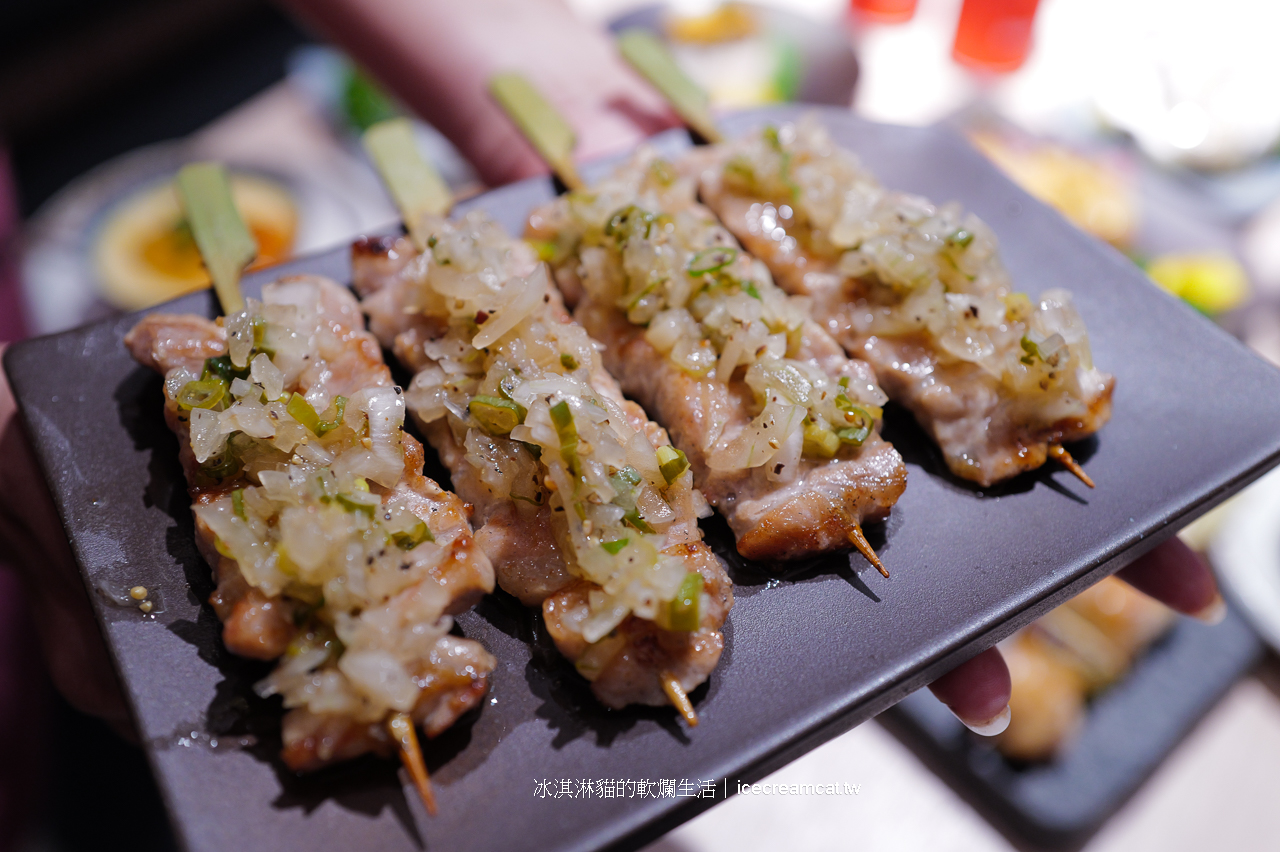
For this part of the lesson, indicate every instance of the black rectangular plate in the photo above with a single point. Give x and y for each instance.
(1126, 733)
(806, 658)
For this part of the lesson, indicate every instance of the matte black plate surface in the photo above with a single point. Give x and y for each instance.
(1127, 732)
(807, 658)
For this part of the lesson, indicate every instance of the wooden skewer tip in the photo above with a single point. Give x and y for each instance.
(864, 547)
(679, 699)
(1059, 453)
(400, 726)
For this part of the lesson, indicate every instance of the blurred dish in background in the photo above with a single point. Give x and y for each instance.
(1118, 738)
(1096, 195)
(746, 55)
(144, 253)
(1192, 80)
(1211, 282)
(1070, 655)
(1099, 191)
(1246, 554)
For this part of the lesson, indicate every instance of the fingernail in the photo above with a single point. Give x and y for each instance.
(1214, 612)
(993, 726)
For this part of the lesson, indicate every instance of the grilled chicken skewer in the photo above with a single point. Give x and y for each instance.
(582, 505)
(998, 379)
(780, 426)
(871, 259)
(331, 551)
(580, 512)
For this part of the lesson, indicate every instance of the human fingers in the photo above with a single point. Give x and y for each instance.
(977, 692)
(1178, 577)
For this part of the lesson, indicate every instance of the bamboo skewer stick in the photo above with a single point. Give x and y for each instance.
(864, 547)
(414, 185)
(648, 55)
(1060, 454)
(539, 123)
(223, 239)
(400, 726)
(679, 699)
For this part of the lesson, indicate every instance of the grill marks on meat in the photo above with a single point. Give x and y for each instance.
(521, 539)
(258, 626)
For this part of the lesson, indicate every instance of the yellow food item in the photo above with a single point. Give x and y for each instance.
(145, 254)
(1088, 192)
(1211, 282)
(1069, 655)
(1047, 703)
(729, 22)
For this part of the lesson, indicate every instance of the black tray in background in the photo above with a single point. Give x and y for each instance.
(806, 658)
(1128, 730)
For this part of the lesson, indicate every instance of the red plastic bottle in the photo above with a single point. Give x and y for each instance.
(994, 35)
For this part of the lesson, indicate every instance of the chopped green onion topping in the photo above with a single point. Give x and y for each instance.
(495, 415)
(1033, 351)
(1017, 307)
(712, 260)
(568, 361)
(340, 406)
(634, 519)
(854, 435)
(562, 419)
(202, 393)
(231, 462)
(684, 609)
(631, 222)
(820, 442)
(259, 339)
(672, 463)
(414, 537)
(961, 238)
(613, 548)
(749, 287)
(625, 482)
(237, 503)
(353, 503)
(299, 409)
(662, 172)
(224, 369)
(860, 418)
(545, 248)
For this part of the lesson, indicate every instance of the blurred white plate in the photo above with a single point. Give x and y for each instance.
(1246, 554)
